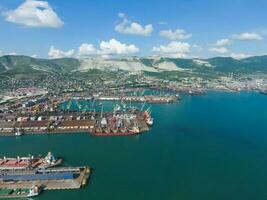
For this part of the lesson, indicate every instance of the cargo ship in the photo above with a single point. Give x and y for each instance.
(29, 162)
(6, 193)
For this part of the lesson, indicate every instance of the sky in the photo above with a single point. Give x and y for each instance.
(121, 28)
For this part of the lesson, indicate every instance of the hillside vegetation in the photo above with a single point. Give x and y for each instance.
(24, 67)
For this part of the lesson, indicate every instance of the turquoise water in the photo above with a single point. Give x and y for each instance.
(206, 147)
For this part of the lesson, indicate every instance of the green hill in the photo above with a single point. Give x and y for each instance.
(24, 67)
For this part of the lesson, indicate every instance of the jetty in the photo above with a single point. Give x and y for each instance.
(54, 179)
(52, 115)
(138, 98)
(102, 123)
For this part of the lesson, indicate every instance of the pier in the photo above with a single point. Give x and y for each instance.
(139, 98)
(81, 178)
(36, 174)
(97, 124)
(54, 115)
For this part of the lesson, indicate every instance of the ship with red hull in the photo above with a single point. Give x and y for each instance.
(123, 131)
(29, 162)
(114, 134)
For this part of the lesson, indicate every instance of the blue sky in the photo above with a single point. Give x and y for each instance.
(180, 28)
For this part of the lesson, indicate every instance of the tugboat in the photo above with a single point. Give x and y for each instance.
(19, 192)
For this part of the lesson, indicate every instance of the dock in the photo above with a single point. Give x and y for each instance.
(95, 124)
(140, 98)
(53, 116)
(53, 184)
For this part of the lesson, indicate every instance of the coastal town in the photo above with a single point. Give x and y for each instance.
(133, 100)
(59, 104)
(124, 81)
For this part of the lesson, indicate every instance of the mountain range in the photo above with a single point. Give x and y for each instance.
(23, 67)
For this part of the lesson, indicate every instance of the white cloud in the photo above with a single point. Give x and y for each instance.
(221, 50)
(223, 42)
(121, 15)
(86, 50)
(134, 28)
(196, 51)
(57, 53)
(248, 36)
(11, 53)
(197, 47)
(33, 13)
(178, 34)
(162, 23)
(173, 49)
(114, 46)
(106, 49)
(239, 55)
